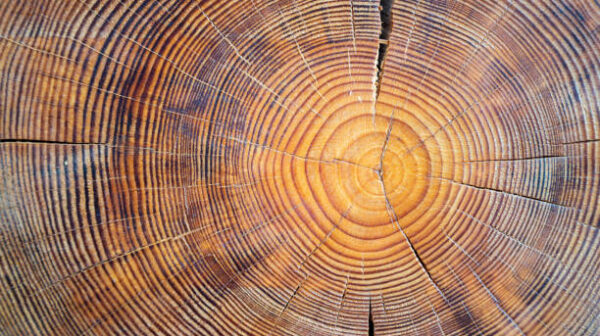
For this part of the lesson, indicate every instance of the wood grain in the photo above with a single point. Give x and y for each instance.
(300, 167)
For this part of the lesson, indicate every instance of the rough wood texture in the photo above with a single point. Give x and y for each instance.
(299, 167)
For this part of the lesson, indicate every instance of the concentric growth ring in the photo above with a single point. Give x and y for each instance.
(299, 167)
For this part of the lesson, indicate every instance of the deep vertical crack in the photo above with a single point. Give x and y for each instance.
(385, 9)
(371, 323)
(385, 12)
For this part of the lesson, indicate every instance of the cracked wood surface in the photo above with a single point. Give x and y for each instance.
(299, 167)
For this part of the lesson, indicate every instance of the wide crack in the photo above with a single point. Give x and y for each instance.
(385, 9)
(385, 12)
(371, 323)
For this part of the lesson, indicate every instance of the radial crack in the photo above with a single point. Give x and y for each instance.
(394, 218)
(343, 297)
(324, 239)
(353, 25)
(577, 142)
(504, 192)
(293, 155)
(531, 158)
(293, 295)
(49, 142)
(385, 12)
(371, 323)
(287, 304)
(355, 164)
(495, 300)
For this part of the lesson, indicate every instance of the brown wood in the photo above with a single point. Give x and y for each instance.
(299, 167)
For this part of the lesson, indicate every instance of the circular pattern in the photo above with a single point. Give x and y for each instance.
(299, 167)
